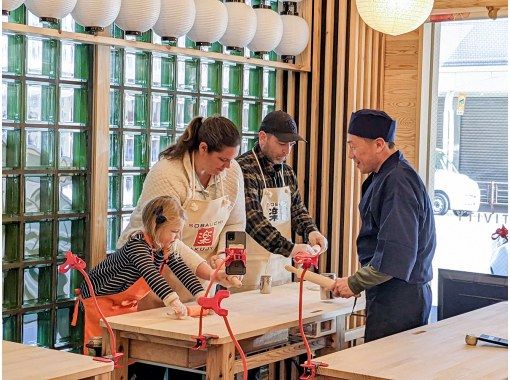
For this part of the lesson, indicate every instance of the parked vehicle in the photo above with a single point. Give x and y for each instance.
(453, 190)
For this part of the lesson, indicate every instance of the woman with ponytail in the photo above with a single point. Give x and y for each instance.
(200, 171)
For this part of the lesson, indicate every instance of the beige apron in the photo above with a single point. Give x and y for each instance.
(206, 219)
(276, 206)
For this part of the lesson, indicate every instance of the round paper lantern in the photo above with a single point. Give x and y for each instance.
(50, 10)
(175, 19)
(210, 22)
(269, 30)
(95, 15)
(136, 16)
(10, 5)
(394, 17)
(296, 34)
(241, 26)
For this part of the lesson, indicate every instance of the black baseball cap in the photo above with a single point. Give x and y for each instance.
(281, 125)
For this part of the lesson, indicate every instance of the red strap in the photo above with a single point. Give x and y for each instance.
(77, 301)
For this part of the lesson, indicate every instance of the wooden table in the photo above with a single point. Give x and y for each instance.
(20, 362)
(435, 351)
(261, 322)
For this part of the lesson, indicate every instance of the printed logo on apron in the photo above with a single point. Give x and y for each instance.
(204, 237)
(277, 212)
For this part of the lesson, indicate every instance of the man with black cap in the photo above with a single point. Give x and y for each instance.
(273, 205)
(397, 239)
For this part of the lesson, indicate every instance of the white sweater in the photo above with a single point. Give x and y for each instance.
(172, 177)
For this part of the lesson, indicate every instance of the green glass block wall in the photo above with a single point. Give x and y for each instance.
(154, 96)
(46, 96)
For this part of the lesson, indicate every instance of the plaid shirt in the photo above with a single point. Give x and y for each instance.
(257, 225)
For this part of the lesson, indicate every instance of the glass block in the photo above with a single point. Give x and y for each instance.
(10, 328)
(231, 109)
(114, 161)
(269, 83)
(113, 192)
(187, 74)
(74, 61)
(232, 79)
(272, 56)
(66, 335)
(13, 48)
(71, 236)
(73, 105)
(11, 147)
(17, 16)
(266, 108)
(116, 32)
(116, 66)
(251, 116)
(10, 247)
(210, 71)
(40, 148)
(134, 150)
(40, 103)
(10, 194)
(37, 329)
(247, 143)
(252, 81)
(209, 106)
(11, 101)
(115, 108)
(159, 142)
(72, 149)
(38, 194)
(136, 68)
(113, 233)
(162, 111)
(43, 57)
(37, 285)
(185, 110)
(135, 109)
(66, 283)
(163, 72)
(38, 240)
(72, 193)
(131, 189)
(10, 289)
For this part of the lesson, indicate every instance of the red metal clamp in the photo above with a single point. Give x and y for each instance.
(214, 303)
(202, 340)
(307, 260)
(310, 370)
(72, 261)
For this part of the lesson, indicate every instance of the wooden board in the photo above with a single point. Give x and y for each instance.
(435, 351)
(20, 362)
(250, 314)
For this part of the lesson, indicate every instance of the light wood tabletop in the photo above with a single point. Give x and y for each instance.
(21, 362)
(435, 351)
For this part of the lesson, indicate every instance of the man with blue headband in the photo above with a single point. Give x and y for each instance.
(397, 239)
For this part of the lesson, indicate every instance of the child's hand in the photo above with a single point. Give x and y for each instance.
(228, 281)
(179, 308)
(217, 260)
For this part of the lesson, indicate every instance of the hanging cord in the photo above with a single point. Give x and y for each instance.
(301, 326)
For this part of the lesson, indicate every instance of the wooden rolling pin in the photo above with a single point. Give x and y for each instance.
(323, 281)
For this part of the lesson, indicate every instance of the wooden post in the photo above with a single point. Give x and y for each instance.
(220, 362)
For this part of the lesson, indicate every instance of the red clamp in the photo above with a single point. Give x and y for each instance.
(310, 370)
(202, 340)
(109, 358)
(72, 261)
(214, 303)
(307, 260)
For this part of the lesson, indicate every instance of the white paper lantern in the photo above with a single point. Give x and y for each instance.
(10, 5)
(241, 27)
(136, 16)
(96, 14)
(394, 17)
(269, 30)
(175, 19)
(50, 10)
(210, 22)
(296, 34)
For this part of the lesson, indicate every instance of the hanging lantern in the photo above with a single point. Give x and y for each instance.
(10, 5)
(50, 10)
(394, 17)
(210, 22)
(296, 33)
(95, 15)
(269, 30)
(175, 19)
(136, 17)
(241, 26)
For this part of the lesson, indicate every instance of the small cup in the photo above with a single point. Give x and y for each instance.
(265, 284)
(326, 294)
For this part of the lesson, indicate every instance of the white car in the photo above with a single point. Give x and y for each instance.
(452, 190)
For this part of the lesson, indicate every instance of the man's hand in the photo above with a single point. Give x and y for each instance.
(341, 288)
(316, 238)
(306, 248)
(227, 280)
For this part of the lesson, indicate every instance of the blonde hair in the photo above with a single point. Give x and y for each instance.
(160, 212)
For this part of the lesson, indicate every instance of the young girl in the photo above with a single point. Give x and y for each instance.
(127, 275)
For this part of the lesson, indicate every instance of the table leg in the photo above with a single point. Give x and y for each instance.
(220, 362)
(122, 345)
